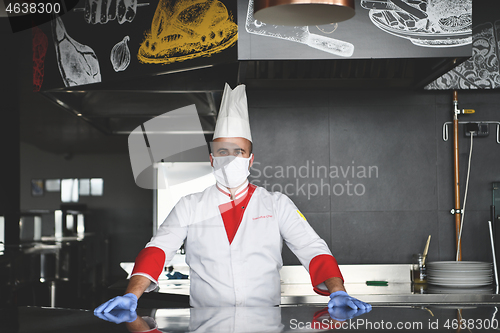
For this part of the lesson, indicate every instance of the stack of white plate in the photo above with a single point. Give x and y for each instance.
(484, 290)
(459, 274)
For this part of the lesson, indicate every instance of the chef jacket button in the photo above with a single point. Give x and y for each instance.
(242, 207)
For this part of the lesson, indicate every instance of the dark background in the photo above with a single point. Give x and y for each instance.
(397, 131)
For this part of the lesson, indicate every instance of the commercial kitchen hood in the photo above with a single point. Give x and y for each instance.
(264, 57)
(117, 107)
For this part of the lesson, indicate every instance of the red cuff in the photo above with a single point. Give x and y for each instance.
(321, 292)
(150, 261)
(321, 268)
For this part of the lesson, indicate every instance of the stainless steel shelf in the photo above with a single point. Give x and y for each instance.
(411, 299)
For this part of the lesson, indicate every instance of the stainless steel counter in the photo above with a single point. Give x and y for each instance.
(296, 288)
(406, 299)
(376, 296)
(433, 318)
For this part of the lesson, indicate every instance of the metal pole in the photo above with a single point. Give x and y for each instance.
(458, 214)
(53, 294)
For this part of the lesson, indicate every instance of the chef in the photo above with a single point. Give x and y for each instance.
(233, 233)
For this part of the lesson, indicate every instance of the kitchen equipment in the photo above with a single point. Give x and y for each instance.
(460, 274)
(30, 227)
(419, 271)
(298, 34)
(300, 12)
(485, 290)
(493, 253)
(495, 218)
(426, 249)
(2, 234)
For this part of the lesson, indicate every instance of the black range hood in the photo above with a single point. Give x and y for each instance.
(117, 107)
(262, 57)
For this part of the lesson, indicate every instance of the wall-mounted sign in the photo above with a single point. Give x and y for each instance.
(379, 29)
(37, 187)
(100, 41)
(481, 71)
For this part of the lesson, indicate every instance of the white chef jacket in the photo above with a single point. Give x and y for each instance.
(235, 320)
(244, 272)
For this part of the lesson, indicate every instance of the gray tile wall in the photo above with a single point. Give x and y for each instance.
(384, 216)
(407, 197)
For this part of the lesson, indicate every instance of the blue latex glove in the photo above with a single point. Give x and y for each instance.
(125, 302)
(342, 313)
(342, 299)
(117, 316)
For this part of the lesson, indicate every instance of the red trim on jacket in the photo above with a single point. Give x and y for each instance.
(321, 268)
(150, 261)
(239, 192)
(232, 213)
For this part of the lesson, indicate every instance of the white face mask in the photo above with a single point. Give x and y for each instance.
(230, 171)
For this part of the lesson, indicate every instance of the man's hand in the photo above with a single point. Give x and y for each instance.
(135, 289)
(126, 302)
(342, 299)
(343, 313)
(342, 306)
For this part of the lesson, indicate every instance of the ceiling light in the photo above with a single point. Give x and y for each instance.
(303, 12)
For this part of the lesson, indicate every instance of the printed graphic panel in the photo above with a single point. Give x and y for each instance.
(379, 29)
(106, 40)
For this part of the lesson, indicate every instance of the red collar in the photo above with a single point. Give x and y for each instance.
(239, 193)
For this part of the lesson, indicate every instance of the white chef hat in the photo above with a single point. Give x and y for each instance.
(233, 115)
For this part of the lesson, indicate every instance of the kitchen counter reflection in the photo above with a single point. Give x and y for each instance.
(230, 319)
(432, 318)
(211, 320)
(309, 319)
